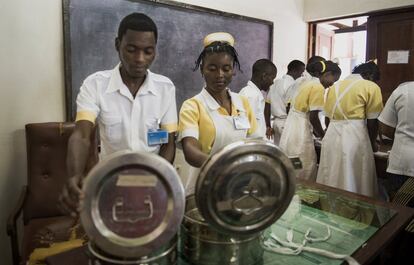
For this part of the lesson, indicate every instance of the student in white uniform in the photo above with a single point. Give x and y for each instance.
(263, 74)
(352, 106)
(127, 102)
(216, 116)
(303, 120)
(397, 122)
(277, 101)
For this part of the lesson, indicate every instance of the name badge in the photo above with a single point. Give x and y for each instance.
(157, 137)
(241, 122)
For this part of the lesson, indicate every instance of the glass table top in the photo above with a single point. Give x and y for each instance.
(351, 223)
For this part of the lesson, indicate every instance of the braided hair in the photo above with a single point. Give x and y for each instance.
(218, 47)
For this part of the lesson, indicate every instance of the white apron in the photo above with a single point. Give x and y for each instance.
(347, 160)
(297, 140)
(226, 133)
(278, 126)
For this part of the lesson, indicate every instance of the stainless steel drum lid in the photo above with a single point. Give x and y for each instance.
(133, 205)
(245, 187)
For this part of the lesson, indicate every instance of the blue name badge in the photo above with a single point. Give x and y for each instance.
(157, 137)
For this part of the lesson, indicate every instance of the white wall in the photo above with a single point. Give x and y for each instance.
(31, 83)
(32, 75)
(290, 31)
(323, 9)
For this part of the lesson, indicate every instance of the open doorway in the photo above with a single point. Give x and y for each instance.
(384, 35)
(341, 40)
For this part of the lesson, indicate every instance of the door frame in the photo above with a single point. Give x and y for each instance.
(312, 25)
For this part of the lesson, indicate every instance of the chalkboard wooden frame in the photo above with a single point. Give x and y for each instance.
(71, 91)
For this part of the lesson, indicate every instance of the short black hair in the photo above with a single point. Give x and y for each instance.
(295, 65)
(368, 70)
(137, 22)
(322, 67)
(263, 65)
(217, 47)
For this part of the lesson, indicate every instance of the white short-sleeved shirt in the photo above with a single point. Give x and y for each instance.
(277, 96)
(124, 120)
(398, 113)
(257, 103)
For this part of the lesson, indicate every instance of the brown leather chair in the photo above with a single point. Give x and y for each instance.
(38, 202)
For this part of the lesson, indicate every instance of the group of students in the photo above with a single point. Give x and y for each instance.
(135, 110)
(130, 103)
(350, 107)
(353, 112)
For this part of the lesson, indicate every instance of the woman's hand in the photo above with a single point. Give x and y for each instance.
(192, 152)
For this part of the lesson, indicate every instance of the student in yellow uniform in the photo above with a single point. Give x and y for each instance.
(302, 120)
(306, 76)
(352, 106)
(216, 116)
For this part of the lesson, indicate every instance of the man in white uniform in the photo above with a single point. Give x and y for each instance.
(263, 74)
(277, 98)
(134, 108)
(397, 123)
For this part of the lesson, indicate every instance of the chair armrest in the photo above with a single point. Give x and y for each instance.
(15, 213)
(12, 226)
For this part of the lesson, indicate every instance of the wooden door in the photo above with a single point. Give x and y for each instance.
(390, 40)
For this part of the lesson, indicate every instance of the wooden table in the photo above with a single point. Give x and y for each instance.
(366, 254)
(386, 235)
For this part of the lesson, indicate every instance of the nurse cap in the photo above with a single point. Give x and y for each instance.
(218, 36)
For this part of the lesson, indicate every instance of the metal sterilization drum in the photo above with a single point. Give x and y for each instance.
(241, 190)
(133, 207)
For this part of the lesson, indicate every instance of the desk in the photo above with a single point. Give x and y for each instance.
(381, 225)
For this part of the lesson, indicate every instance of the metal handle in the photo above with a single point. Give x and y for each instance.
(249, 193)
(97, 257)
(296, 162)
(117, 208)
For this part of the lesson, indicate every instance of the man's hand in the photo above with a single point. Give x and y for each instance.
(72, 196)
(374, 147)
(79, 145)
(269, 133)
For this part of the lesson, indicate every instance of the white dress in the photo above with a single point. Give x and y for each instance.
(297, 139)
(347, 160)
